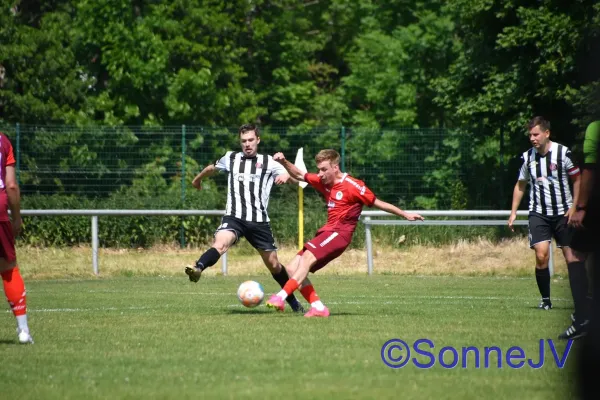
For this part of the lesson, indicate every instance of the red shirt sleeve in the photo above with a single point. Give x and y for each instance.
(314, 181)
(363, 195)
(8, 150)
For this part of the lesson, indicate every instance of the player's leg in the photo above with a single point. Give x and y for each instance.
(317, 253)
(226, 236)
(578, 278)
(12, 281)
(260, 236)
(280, 275)
(300, 272)
(540, 235)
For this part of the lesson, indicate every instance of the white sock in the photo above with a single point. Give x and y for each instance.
(22, 322)
(318, 305)
(282, 294)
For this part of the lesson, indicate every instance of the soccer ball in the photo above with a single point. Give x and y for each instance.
(250, 293)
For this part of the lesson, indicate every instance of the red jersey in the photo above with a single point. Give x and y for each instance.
(345, 201)
(6, 158)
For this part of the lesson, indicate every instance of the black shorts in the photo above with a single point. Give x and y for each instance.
(258, 234)
(543, 228)
(587, 239)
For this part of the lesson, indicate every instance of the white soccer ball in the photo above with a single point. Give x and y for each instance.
(250, 293)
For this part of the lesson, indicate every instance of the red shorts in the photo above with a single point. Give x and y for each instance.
(327, 246)
(7, 242)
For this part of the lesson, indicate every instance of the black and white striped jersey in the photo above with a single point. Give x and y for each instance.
(249, 184)
(548, 177)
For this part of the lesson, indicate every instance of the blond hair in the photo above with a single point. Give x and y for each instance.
(328, 155)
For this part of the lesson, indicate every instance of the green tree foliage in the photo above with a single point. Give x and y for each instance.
(478, 69)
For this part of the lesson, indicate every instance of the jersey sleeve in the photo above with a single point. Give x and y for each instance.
(278, 169)
(314, 181)
(363, 195)
(10, 157)
(222, 164)
(572, 169)
(524, 171)
(590, 145)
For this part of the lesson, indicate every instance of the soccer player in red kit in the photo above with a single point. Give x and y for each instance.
(10, 197)
(345, 198)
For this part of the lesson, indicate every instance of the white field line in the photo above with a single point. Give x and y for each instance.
(105, 309)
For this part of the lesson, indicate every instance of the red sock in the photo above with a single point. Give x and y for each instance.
(309, 294)
(290, 286)
(14, 288)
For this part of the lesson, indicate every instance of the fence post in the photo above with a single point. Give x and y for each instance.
(551, 261)
(95, 243)
(183, 151)
(343, 155)
(18, 147)
(369, 246)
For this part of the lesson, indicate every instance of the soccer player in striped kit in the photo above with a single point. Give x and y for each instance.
(547, 167)
(250, 178)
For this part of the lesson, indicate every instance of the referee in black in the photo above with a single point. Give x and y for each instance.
(548, 169)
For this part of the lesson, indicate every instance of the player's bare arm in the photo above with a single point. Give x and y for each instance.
(518, 193)
(284, 178)
(210, 170)
(585, 185)
(576, 179)
(392, 209)
(294, 172)
(14, 199)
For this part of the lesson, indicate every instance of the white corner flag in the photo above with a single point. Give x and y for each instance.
(299, 163)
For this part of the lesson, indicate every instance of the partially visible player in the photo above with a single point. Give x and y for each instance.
(345, 198)
(10, 197)
(586, 237)
(547, 167)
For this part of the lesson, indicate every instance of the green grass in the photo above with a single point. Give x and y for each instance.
(166, 338)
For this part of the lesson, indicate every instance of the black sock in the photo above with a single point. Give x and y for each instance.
(208, 259)
(579, 288)
(282, 278)
(542, 276)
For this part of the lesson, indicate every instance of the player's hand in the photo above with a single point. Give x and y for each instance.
(281, 179)
(197, 184)
(413, 217)
(279, 157)
(511, 220)
(16, 225)
(576, 219)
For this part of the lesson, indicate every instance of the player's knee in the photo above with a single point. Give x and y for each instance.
(541, 259)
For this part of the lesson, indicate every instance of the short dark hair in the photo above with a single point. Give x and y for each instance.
(541, 121)
(247, 128)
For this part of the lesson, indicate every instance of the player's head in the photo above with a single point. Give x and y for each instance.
(539, 131)
(249, 139)
(328, 164)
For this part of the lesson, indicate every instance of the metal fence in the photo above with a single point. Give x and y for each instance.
(366, 218)
(414, 168)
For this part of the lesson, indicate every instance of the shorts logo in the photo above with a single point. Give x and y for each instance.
(223, 226)
(339, 195)
(553, 167)
(329, 239)
(311, 245)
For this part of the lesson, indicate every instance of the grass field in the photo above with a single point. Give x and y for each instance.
(162, 337)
